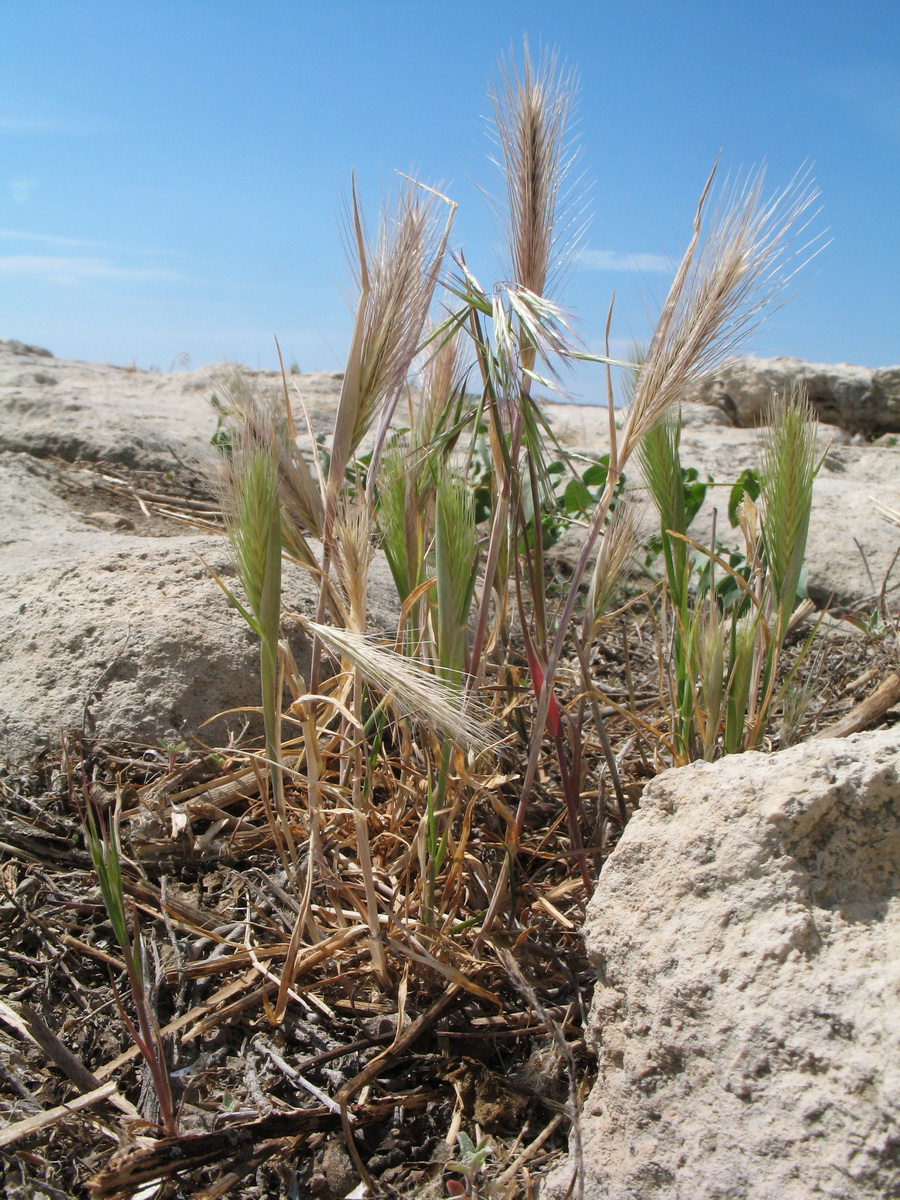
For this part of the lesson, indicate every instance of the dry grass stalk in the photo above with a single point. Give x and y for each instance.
(28, 1125)
(532, 115)
(731, 273)
(396, 285)
(413, 690)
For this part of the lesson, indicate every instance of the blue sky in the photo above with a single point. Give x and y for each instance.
(172, 174)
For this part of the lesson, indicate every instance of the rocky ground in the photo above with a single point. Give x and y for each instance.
(116, 641)
(111, 621)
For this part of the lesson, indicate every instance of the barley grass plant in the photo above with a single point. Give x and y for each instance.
(470, 595)
(437, 796)
(725, 685)
(253, 519)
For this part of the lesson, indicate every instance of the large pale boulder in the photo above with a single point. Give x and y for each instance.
(125, 637)
(121, 633)
(109, 620)
(746, 938)
(857, 399)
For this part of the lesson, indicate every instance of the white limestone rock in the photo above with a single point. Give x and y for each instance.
(132, 640)
(109, 621)
(857, 399)
(746, 938)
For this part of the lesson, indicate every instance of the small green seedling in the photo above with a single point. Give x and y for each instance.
(172, 750)
(471, 1160)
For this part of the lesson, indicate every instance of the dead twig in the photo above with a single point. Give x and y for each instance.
(865, 714)
(170, 1157)
(71, 1066)
(21, 1129)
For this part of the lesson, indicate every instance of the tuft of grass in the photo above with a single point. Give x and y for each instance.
(462, 499)
(725, 658)
(253, 521)
(105, 847)
(441, 795)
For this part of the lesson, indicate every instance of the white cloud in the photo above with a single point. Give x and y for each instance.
(72, 124)
(58, 269)
(611, 260)
(19, 235)
(52, 239)
(27, 125)
(20, 189)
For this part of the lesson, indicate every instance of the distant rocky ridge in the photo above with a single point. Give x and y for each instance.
(857, 399)
(93, 411)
